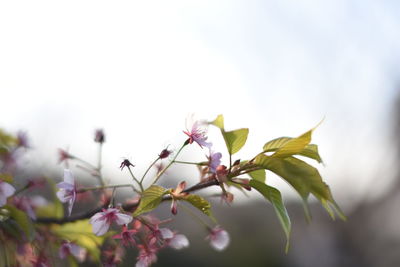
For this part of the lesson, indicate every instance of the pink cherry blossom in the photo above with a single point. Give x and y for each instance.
(101, 221)
(198, 134)
(69, 248)
(178, 241)
(127, 236)
(219, 238)
(6, 190)
(147, 254)
(214, 160)
(67, 192)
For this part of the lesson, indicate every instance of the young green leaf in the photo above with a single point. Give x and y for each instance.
(274, 196)
(200, 203)
(294, 145)
(258, 175)
(310, 150)
(219, 122)
(304, 178)
(236, 139)
(150, 199)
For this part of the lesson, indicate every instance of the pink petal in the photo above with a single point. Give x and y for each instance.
(71, 203)
(166, 233)
(179, 242)
(100, 226)
(63, 196)
(65, 186)
(68, 177)
(78, 252)
(123, 218)
(219, 239)
(7, 189)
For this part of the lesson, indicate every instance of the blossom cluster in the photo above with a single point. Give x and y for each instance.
(94, 226)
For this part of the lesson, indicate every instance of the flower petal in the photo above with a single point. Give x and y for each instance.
(166, 233)
(68, 177)
(7, 189)
(123, 218)
(179, 242)
(219, 239)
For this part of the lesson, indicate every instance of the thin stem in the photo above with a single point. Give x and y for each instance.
(148, 169)
(86, 163)
(21, 190)
(191, 163)
(134, 178)
(106, 186)
(99, 163)
(170, 163)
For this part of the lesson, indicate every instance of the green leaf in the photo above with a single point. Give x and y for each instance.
(235, 140)
(294, 145)
(22, 220)
(5, 177)
(200, 203)
(81, 233)
(7, 139)
(304, 178)
(274, 196)
(54, 209)
(258, 175)
(150, 199)
(310, 150)
(219, 122)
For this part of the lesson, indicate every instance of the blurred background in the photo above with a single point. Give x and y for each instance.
(139, 69)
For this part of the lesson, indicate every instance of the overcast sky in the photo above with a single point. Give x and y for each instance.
(137, 69)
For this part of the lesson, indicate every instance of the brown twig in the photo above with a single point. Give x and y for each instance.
(126, 206)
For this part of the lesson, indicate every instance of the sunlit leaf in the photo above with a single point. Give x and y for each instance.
(80, 232)
(304, 178)
(54, 209)
(310, 150)
(258, 175)
(274, 196)
(219, 122)
(294, 145)
(235, 140)
(150, 199)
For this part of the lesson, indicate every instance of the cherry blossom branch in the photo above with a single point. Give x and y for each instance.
(126, 206)
(106, 186)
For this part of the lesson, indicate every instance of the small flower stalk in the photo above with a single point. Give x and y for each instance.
(177, 194)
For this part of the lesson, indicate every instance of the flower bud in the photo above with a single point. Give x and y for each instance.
(99, 136)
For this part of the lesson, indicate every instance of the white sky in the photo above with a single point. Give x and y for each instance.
(137, 69)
